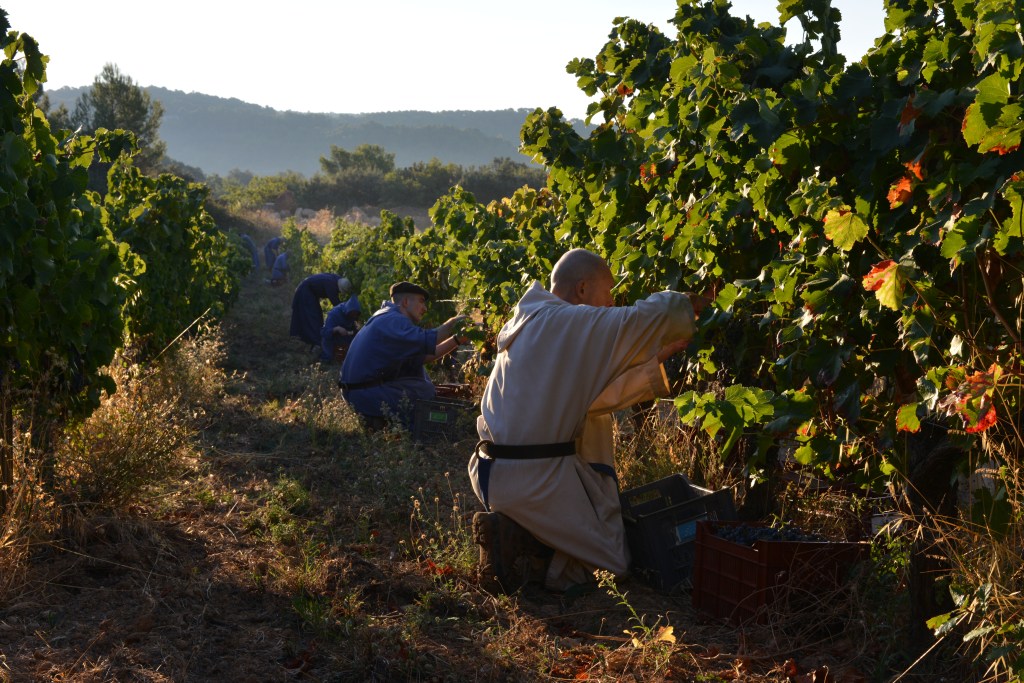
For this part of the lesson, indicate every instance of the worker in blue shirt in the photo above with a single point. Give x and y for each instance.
(339, 327)
(270, 250)
(383, 372)
(279, 273)
(307, 316)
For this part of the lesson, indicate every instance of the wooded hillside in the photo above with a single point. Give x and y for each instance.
(218, 134)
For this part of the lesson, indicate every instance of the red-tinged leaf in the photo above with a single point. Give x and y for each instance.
(437, 570)
(624, 90)
(915, 168)
(986, 421)
(909, 113)
(1004, 150)
(899, 193)
(844, 228)
(907, 420)
(876, 278)
(883, 280)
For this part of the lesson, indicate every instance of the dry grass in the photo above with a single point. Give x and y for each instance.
(22, 524)
(134, 440)
(982, 559)
(320, 226)
(652, 444)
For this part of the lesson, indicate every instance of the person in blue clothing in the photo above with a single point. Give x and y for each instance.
(339, 327)
(383, 372)
(251, 246)
(307, 316)
(279, 273)
(270, 251)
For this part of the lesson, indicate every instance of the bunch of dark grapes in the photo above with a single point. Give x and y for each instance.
(744, 534)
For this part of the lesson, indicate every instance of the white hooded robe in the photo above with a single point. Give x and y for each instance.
(561, 370)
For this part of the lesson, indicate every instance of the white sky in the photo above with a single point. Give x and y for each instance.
(349, 56)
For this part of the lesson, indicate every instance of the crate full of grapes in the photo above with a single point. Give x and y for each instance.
(661, 527)
(744, 570)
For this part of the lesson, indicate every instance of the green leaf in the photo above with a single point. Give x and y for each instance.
(804, 455)
(993, 512)
(979, 632)
(907, 419)
(941, 623)
(790, 151)
(993, 92)
(844, 228)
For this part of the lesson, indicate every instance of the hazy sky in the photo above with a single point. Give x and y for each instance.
(351, 56)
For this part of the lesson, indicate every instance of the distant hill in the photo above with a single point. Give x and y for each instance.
(218, 134)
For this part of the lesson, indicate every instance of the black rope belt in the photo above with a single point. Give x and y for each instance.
(360, 385)
(530, 452)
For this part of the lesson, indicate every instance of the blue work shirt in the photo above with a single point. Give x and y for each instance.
(390, 347)
(339, 316)
(280, 269)
(270, 250)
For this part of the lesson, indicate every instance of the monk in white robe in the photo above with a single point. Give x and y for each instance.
(566, 360)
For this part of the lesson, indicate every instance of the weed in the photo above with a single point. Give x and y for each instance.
(277, 518)
(653, 641)
(315, 613)
(290, 494)
(441, 541)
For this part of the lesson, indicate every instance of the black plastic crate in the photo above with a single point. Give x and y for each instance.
(661, 527)
(439, 418)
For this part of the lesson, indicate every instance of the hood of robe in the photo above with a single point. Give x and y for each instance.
(534, 300)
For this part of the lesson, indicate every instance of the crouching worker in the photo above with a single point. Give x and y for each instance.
(339, 328)
(544, 466)
(383, 373)
(279, 273)
(307, 316)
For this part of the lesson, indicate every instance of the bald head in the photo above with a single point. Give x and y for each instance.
(582, 277)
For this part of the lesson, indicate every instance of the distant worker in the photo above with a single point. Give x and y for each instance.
(279, 273)
(270, 250)
(339, 328)
(307, 316)
(253, 251)
(383, 372)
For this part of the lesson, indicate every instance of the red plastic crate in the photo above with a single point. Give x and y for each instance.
(740, 583)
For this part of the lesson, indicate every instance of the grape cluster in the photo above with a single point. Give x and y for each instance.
(744, 534)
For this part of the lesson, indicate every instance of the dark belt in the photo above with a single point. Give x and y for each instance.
(360, 385)
(531, 452)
